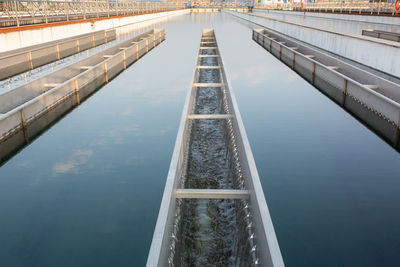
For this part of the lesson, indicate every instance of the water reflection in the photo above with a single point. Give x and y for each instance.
(332, 185)
(123, 34)
(73, 163)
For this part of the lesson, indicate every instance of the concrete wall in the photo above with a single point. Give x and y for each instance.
(378, 54)
(367, 19)
(22, 120)
(392, 36)
(18, 39)
(360, 97)
(28, 58)
(262, 227)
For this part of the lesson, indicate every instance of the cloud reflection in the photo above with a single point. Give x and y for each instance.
(74, 162)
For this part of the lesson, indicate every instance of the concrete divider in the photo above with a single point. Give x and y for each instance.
(17, 39)
(376, 54)
(391, 36)
(27, 58)
(373, 100)
(252, 238)
(395, 21)
(28, 110)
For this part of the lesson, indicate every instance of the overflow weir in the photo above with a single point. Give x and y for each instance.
(28, 110)
(28, 58)
(213, 210)
(373, 100)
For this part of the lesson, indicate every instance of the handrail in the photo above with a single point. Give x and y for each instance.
(23, 12)
(377, 8)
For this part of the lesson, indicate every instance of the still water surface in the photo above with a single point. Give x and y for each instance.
(87, 192)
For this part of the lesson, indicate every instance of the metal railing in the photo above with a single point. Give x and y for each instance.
(228, 5)
(17, 12)
(377, 8)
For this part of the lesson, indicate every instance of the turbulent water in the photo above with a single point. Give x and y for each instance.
(88, 191)
(212, 232)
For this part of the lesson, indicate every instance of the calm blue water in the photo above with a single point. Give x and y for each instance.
(87, 192)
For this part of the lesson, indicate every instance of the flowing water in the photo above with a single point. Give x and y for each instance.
(87, 192)
(209, 231)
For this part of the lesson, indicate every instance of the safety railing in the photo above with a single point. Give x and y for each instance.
(17, 12)
(377, 8)
(228, 5)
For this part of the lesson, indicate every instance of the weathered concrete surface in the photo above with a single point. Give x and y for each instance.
(27, 58)
(373, 100)
(392, 36)
(395, 21)
(27, 110)
(14, 40)
(382, 55)
(255, 233)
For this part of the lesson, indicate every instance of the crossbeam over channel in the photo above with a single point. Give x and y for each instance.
(212, 193)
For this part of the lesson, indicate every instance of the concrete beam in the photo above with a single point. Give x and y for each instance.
(210, 116)
(208, 84)
(208, 67)
(211, 193)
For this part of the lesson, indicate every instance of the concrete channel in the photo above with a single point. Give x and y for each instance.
(13, 39)
(373, 100)
(379, 21)
(213, 210)
(391, 36)
(377, 54)
(27, 110)
(27, 58)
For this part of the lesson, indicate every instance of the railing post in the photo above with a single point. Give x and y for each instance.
(97, 9)
(379, 6)
(45, 12)
(16, 13)
(117, 7)
(66, 7)
(84, 9)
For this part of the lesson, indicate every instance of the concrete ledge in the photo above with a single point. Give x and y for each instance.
(377, 54)
(27, 58)
(261, 224)
(373, 100)
(212, 193)
(122, 24)
(30, 114)
(395, 21)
